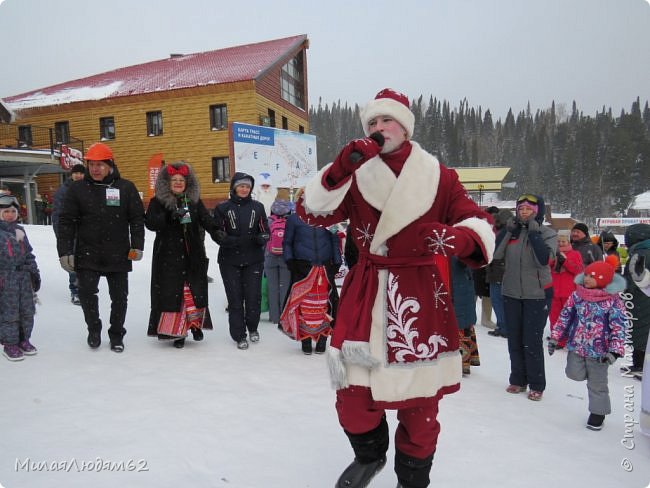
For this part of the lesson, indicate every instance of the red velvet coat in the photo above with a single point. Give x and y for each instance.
(396, 331)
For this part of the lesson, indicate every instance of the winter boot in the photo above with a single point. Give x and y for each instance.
(94, 339)
(13, 353)
(306, 346)
(369, 456)
(595, 421)
(27, 347)
(116, 338)
(474, 358)
(321, 345)
(179, 343)
(197, 334)
(412, 472)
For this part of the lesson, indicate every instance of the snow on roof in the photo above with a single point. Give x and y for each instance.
(641, 202)
(227, 65)
(67, 95)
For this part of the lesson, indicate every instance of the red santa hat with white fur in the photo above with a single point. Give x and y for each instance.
(392, 103)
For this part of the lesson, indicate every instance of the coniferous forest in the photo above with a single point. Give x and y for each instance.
(589, 166)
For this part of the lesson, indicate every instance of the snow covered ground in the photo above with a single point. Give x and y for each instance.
(210, 415)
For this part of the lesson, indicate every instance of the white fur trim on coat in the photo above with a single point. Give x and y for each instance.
(338, 372)
(318, 200)
(485, 233)
(401, 200)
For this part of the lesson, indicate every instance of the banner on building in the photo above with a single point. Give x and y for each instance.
(621, 221)
(69, 157)
(155, 163)
(289, 157)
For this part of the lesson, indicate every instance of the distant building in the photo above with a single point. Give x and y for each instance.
(640, 206)
(180, 106)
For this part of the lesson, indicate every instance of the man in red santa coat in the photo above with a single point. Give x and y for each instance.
(395, 344)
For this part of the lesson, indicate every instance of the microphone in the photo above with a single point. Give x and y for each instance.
(377, 136)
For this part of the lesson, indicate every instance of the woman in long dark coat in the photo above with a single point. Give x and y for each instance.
(179, 274)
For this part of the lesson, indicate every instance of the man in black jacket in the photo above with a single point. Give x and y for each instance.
(242, 235)
(581, 242)
(101, 230)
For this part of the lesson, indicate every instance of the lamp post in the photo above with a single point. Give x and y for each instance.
(481, 187)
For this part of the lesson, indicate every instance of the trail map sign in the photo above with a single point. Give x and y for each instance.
(289, 157)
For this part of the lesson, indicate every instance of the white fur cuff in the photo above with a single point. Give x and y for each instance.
(320, 201)
(484, 231)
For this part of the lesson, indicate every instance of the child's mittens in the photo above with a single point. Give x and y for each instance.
(609, 358)
(37, 301)
(552, 346)
(36, 281)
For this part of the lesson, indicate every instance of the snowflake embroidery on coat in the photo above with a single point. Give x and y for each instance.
(438, 293)
(439, 241)
(366, 236)
(400, 329)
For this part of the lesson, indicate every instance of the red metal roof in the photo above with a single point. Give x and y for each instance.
(231, 64)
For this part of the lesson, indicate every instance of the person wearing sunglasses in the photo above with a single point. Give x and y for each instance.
(526, 248)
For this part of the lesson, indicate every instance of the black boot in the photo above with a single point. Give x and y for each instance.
(321, 345)
(412, 472)
(369, 457)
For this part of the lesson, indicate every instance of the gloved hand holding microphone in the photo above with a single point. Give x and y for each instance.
(354, 154)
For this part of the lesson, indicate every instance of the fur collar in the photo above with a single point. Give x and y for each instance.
(165, 195)
(617, 285)
(402, 200)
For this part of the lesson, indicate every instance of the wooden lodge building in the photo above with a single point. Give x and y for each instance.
(180, 106)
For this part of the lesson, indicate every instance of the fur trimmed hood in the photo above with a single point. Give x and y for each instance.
(163, 188)
(616, 286)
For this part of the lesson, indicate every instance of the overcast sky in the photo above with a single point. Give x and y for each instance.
(498, 54)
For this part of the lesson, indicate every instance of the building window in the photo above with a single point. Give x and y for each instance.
(285, 123)
(154, 124)
(62, 132)
(265, 120)
(218, 117)
(301, 129)
(107, 128)
(292, 81)
(221, 169)
(24, 136)
(271, 118)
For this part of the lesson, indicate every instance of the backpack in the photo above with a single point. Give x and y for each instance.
(277, 235)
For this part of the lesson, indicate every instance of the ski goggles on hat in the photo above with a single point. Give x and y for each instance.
(527, 198)
(7, 201)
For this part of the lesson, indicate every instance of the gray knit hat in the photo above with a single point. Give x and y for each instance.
(242, 181)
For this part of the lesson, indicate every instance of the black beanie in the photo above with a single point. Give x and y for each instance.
(78, 168)
(582, 227)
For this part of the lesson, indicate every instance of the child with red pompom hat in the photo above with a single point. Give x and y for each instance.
(593, 324)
